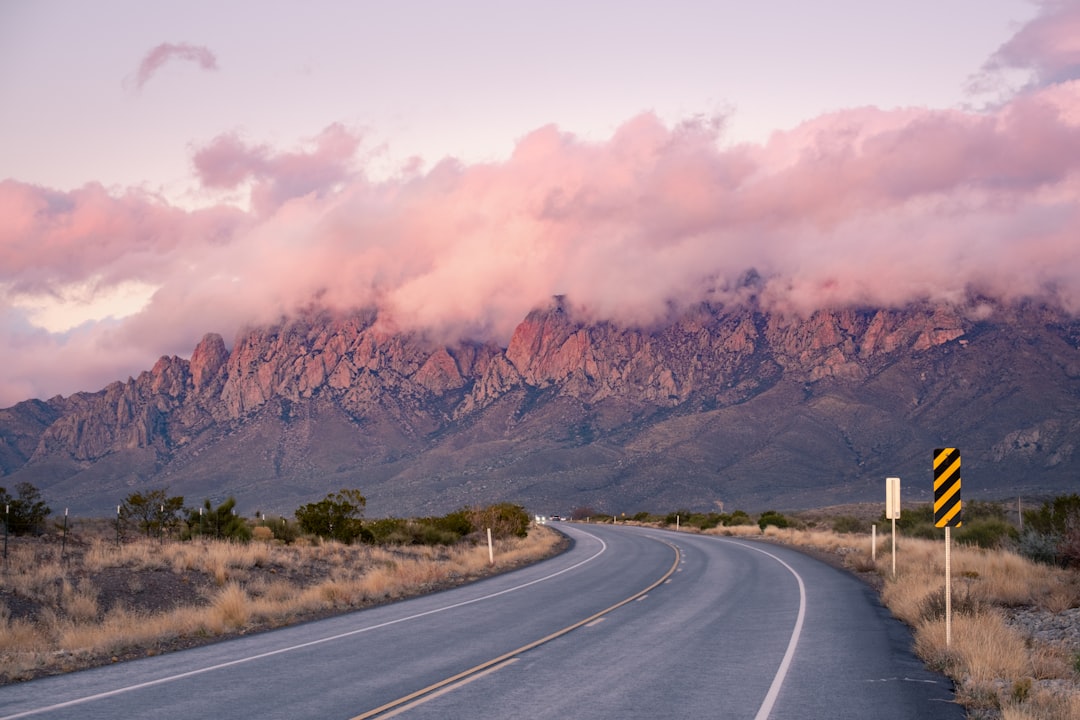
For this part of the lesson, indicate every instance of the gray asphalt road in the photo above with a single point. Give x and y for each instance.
(631, 623)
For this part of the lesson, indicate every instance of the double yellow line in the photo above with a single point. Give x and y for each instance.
(473, 673)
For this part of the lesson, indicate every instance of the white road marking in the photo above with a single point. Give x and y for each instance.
(785, 664)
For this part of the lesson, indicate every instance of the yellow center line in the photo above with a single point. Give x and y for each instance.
(430, 689)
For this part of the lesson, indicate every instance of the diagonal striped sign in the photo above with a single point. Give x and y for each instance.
(947, 487)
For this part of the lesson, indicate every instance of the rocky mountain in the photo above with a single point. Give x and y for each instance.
(723, 407)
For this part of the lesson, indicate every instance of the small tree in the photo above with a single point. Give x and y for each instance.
(771, 517)
(336, 516)
(153, 511)
(26, 512)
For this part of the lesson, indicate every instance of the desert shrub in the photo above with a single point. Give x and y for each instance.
(677, 517)
(504, 519)
(423, 531)
(388, 531)
(261, 533)
(283, 530)
(963, 602)
(427, 533)
(337, 516)
(25, 512)
(457, 522)
(1052, 533)
(911, 517)
(772, 517)
(738, 517)
(220, 522)
(1055, 516)
(444, 530)
(641, 517)
(986, 533)
(849, 524)
(153, 511)
(704, 521)
(1069, 547)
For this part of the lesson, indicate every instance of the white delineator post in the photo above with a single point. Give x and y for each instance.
(892, 511)
(873, 543)
(491, 549)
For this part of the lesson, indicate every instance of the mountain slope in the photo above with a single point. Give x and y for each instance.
(728, 406)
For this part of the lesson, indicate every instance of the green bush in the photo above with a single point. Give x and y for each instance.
(986, 532)
(739, 517)
(704, 521)
(771, 517)
(422, 531)
(337, 516)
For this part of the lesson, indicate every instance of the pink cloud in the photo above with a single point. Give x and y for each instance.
(227, 162)
(163, 53)
(858, 207)
(1048, 47)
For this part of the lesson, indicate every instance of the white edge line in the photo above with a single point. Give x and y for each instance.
(781, 672)
(320, 641)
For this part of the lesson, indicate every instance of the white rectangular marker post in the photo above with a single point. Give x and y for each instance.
(892, 511)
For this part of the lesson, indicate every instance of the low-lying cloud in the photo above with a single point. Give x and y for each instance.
(859, 207)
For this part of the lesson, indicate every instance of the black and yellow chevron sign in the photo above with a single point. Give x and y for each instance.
(947, 487)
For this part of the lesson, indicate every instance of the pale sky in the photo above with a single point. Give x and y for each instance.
(173, 168)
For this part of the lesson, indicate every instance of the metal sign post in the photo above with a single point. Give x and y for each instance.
(947, 507)
(892, 512)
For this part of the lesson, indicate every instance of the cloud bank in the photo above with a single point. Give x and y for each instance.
(858, 207)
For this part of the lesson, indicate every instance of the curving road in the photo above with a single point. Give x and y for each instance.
(630, 623)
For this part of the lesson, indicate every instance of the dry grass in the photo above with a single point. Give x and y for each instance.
(998, 671)
(103, 603)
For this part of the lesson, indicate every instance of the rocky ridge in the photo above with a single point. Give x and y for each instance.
(722, 404)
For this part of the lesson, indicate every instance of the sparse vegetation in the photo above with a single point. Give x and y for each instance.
(107, 600)
(1052, 533)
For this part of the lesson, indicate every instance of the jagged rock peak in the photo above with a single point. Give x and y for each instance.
(209, 357)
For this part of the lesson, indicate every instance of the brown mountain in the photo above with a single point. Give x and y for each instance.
(725, 406)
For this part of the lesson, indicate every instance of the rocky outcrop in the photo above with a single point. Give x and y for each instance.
(596, 385)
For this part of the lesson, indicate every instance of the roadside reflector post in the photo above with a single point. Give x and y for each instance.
(873, 543)
(491, 549)
(892, 512)
(947, 507)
